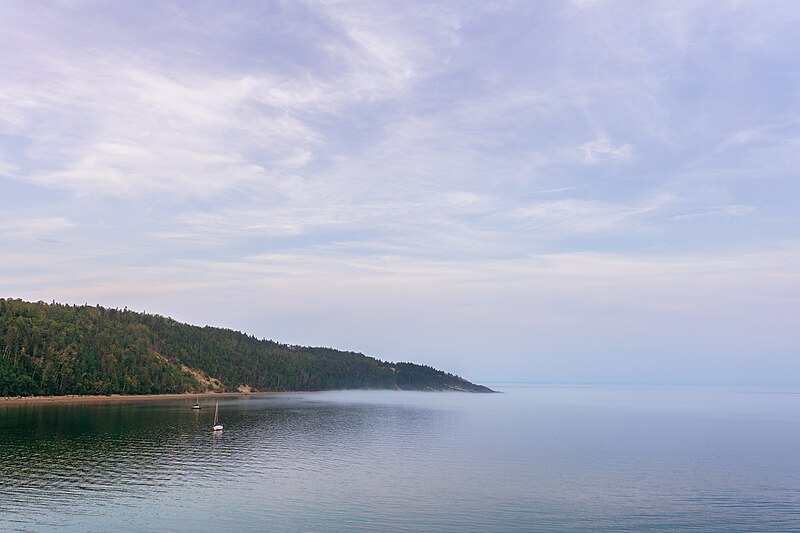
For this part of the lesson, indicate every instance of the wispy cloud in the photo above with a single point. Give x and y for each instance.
(581, 216)
(498, 168)
(604, 150)
(25, 229)
(622, 300)
(110, 125)
(718, 211)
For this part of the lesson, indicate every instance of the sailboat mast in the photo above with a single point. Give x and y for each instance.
(217, 425)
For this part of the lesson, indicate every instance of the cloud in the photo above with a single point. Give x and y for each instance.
(128, 125)
(495, 172)
(139, 133)
(532, 310)
(717, 211)
(19, 228)
(605, 150)
(555, 219)
(388, 49)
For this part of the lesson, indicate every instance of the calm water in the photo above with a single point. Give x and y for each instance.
(534, 458)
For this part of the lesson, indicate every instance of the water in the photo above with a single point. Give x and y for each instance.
(532, 459)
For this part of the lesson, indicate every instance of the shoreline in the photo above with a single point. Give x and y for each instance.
(112, 398)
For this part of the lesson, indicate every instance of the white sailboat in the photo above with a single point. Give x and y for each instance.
(197, 405)
(217, 425)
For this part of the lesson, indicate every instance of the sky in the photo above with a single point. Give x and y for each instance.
(556, 192)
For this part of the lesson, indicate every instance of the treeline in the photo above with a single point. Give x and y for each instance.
(55, 349)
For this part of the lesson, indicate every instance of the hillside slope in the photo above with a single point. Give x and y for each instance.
(54, 349)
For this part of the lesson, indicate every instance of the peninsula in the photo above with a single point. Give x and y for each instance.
(56, 350)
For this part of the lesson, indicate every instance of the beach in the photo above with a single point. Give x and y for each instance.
(100, 398)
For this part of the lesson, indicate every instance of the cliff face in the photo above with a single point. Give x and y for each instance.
(54, 349)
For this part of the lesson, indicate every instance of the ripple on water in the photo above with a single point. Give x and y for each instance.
(543, 460)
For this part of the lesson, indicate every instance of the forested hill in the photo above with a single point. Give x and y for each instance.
(54, 349)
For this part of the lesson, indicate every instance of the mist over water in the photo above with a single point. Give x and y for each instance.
(533, 458)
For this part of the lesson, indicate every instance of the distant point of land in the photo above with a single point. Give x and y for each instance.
(59, 350)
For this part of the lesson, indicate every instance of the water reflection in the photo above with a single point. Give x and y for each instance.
(531, 459)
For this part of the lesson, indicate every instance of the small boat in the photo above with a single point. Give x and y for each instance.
(217, 425)
(197, 405)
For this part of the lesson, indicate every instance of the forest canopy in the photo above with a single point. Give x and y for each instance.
(55, 349)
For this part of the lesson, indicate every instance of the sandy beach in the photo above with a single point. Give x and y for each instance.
(12, 400)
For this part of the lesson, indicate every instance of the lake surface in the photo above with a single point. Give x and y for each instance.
(531, 459)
